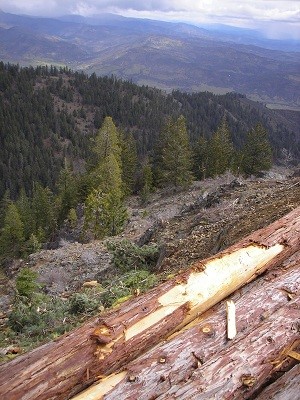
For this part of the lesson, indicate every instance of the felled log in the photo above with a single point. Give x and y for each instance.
(201, 356)
(103, 345)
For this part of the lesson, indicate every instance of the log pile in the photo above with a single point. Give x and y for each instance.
(171, 343)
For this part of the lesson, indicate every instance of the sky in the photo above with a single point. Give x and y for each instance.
(277, 19)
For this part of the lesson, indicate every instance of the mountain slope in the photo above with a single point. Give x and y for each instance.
(166, 55)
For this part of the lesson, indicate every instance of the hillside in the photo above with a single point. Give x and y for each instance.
(165, 55)
(47, 115)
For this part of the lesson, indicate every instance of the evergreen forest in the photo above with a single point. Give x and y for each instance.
(75, 146)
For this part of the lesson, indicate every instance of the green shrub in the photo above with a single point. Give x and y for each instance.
(113, 293)
(41, 317)
(142, 280)
(126, 284)
(22, 316)
(82, 303)
(26, 283)
(128, 256)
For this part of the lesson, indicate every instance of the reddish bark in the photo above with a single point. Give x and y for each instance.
(266, 322)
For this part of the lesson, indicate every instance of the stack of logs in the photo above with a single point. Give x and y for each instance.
(172, 342)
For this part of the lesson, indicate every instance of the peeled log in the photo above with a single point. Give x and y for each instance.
(102, 346)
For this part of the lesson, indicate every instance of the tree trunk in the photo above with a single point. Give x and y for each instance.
(200, 355)
(61, 368)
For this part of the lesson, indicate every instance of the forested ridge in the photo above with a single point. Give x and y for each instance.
(55, 123)
(47, 114)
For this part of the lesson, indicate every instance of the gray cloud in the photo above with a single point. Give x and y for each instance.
(264, 14)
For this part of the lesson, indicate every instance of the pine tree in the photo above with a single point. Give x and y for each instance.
(107, 140)
(147, 182)
(108, 169)
(129, 162)
(105, 213)
(220, 151)
(175, 157)
(12, 235)
(25, 211)
(43, 207)
(201, 158)
(257, 152)
(67, 191)
(4, 203)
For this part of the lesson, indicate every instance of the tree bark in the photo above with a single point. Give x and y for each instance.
(200, 355)
(103, 345)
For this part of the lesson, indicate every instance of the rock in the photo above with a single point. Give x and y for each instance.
(10, 350)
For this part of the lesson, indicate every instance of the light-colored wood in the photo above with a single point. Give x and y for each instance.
(97, 392)
(231, 324)
(294, 355)
(220, 277)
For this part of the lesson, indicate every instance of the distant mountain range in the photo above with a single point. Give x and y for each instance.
(161, 54)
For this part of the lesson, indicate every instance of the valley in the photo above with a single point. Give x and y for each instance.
(169, 56)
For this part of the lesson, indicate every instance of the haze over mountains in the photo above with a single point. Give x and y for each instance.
(161, 54)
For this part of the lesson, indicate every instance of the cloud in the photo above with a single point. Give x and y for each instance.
(256, 13)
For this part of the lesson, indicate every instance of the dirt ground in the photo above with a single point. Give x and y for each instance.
(213, 215)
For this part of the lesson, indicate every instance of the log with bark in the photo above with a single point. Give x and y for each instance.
(201, 356)
(103, 345)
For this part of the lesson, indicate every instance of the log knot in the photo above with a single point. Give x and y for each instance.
(248, 380)
(103, 334)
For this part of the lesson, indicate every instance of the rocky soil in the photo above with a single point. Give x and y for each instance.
(187, 225)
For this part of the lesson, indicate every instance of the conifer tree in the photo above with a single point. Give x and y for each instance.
(147, 182)
(201, 158)
(107, 141)
(4, 203)
(105, 213)
(257, 152)
(26, 214)
(12, 235)
(67, 191)
(44, 211)
(220, 151)
(175, 158)
(129, 162)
